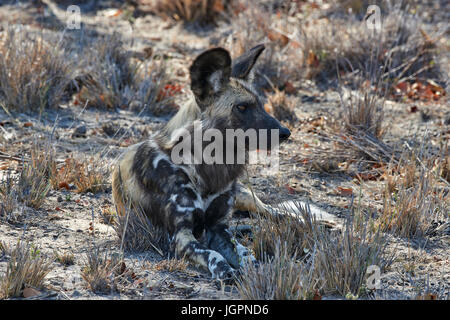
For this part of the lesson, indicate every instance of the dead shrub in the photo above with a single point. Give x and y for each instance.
(26, 267)
(33, 72)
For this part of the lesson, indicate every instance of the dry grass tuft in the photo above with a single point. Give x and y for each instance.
(342, 259)
(34, 183)
(281, 106)
(113, 79)
(65, 258)
(137, 233)
(26, 267)
(293, 231)
(29, 187)
(90, 175)
(105, 272)
(280, 277)
(98, 271)
(321, 261)
(171, 265)
(9, 201)
(321, 49)
(33, 72)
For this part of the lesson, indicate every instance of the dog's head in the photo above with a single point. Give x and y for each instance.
(224, 92)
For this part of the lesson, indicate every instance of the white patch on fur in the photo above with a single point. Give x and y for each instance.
(158, 158)
(184, 209)
(212, 266)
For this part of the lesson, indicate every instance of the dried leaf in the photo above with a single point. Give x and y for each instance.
(30, 292)
(64, 185)
(344, 191)
(289, 88)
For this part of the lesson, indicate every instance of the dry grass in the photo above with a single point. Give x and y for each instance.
(111, 78)
(359, 130)
(90, 175)
(29, 187)
(281, 107)
(98, 271)
(105, 272)
(340, 44)
(322, 261)
(280, 277)
(171, 265)
(65, 258)
(413, 198)
(295, 232)
(202, 11)
(9, 202)
(39, 173)
(33, 182)
(137, 233)
(26, 267)
(342, 259)
(33, 72)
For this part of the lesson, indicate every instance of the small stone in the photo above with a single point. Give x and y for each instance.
(76, 293)
(79, 132)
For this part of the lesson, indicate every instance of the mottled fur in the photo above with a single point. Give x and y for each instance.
(193, 202)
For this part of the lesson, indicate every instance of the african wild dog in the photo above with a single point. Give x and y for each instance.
(194, 201)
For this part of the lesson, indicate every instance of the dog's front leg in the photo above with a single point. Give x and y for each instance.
(218, 236)
(188, 246)
(185, 218)
(220, 239)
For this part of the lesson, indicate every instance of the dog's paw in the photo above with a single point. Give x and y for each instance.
(222, 271)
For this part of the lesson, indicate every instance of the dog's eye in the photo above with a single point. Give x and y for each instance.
(241, 107)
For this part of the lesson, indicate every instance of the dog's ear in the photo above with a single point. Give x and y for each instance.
(243, 65)
(210, 73)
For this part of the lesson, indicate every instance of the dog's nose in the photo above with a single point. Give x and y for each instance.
(284, 134)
